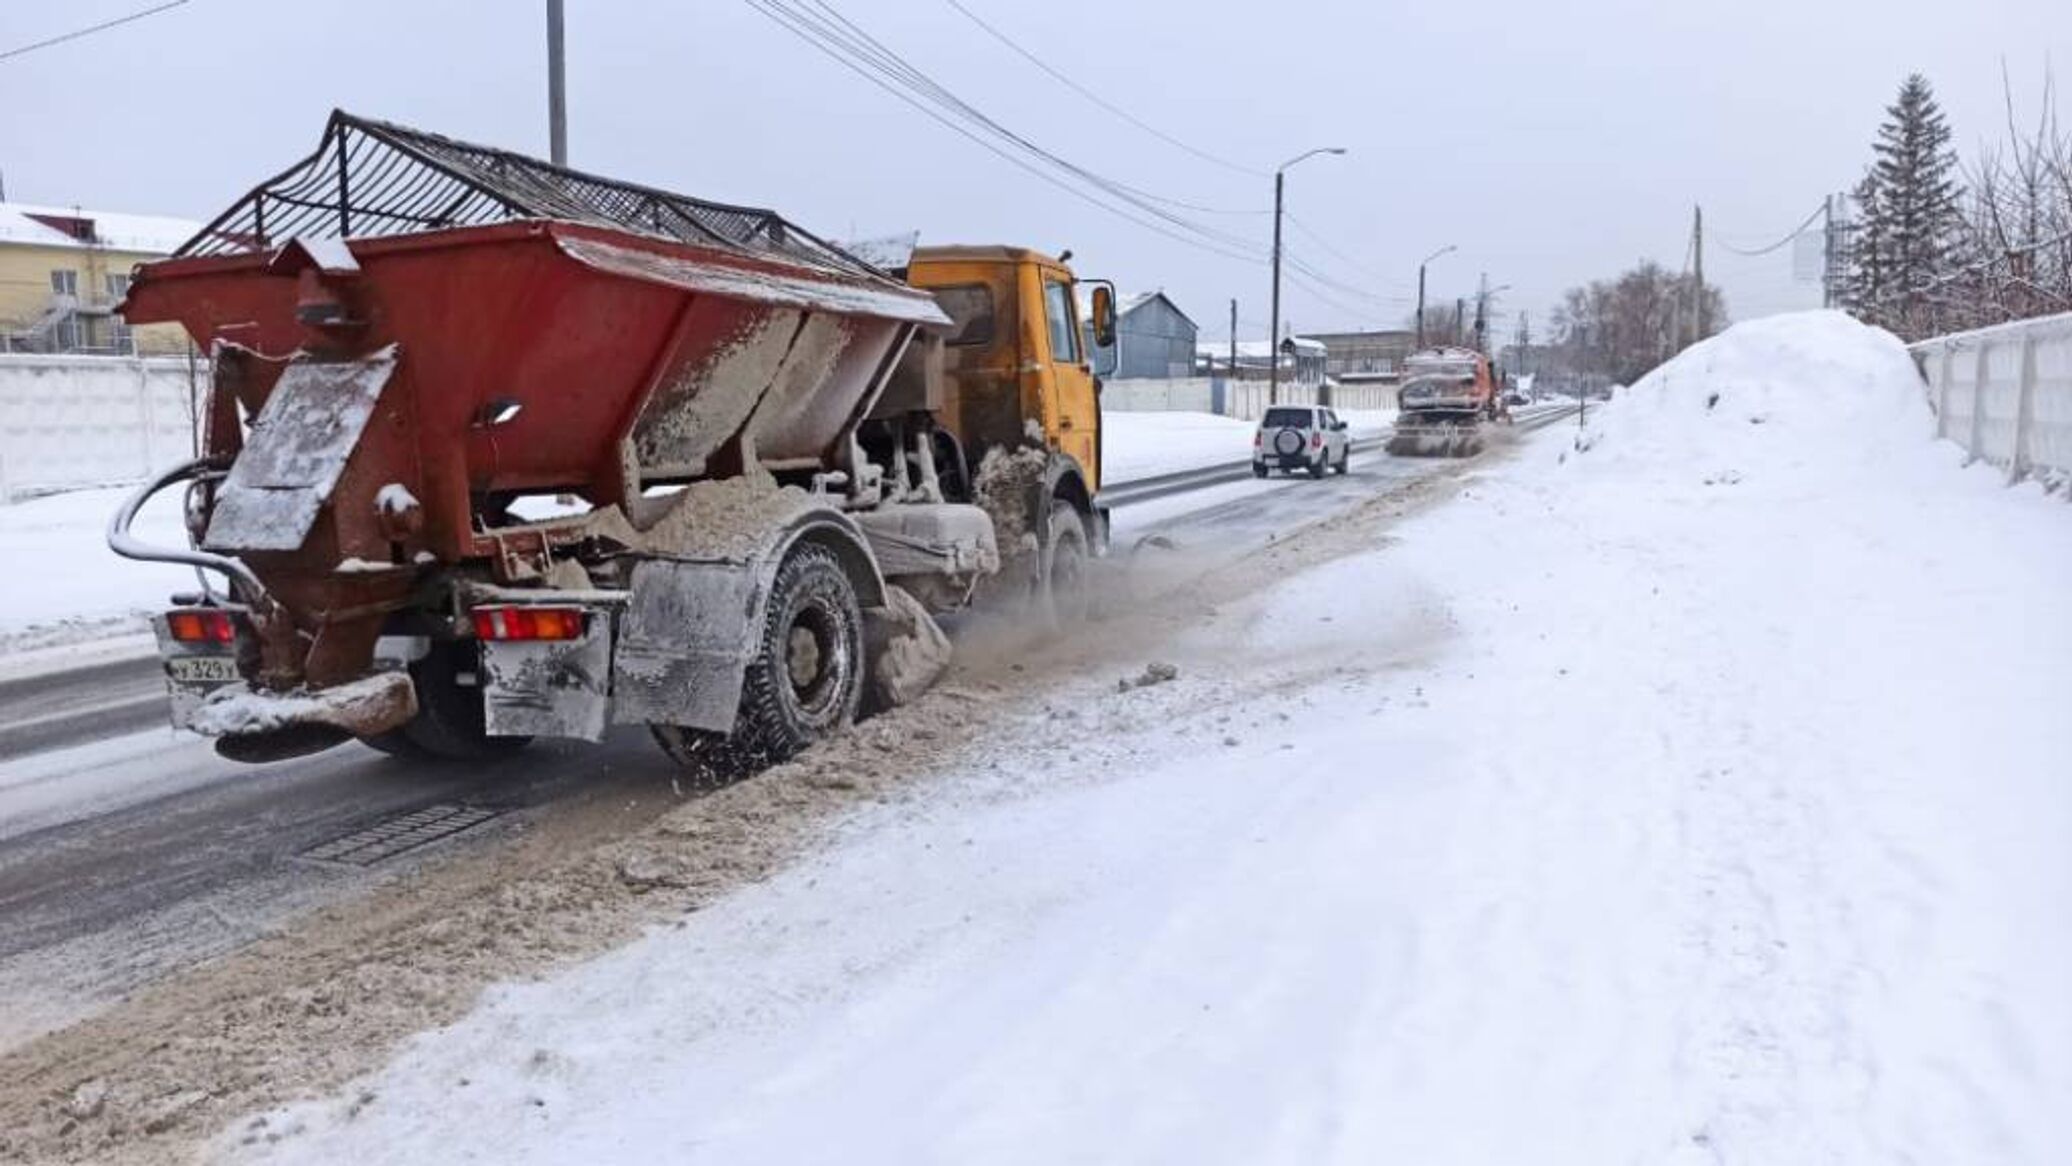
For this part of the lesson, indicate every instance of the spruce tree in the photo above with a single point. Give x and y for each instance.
(1911, 217)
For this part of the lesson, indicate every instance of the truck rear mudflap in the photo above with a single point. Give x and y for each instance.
(253, 725)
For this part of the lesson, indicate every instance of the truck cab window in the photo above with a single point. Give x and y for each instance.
(1064, 332)
(970, 309)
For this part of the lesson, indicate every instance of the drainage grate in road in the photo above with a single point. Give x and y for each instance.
(399, 834)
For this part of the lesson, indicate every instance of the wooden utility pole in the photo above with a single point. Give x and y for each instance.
(1698, 269)
(1233, 339)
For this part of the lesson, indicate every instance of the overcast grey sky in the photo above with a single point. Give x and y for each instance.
(1552, 143)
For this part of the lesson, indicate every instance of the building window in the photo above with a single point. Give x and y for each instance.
(64, 282)
(118, 287)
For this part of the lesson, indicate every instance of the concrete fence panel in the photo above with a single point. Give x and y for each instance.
(2005, 393)
(68, 422)
(1159, 395)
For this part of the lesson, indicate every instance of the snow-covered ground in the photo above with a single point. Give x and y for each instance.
(1698, 797)
(1144, 445)
(65, 585)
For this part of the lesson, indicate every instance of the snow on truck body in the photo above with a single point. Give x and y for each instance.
(703, 378)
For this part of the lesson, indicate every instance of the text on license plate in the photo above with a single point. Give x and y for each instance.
(202, 669)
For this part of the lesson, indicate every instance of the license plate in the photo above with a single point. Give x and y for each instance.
(202, 669)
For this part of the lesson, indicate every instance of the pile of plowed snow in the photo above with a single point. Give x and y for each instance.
(1811, 395)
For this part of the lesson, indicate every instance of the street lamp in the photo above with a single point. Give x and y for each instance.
(1420, 289)
(1273, 338)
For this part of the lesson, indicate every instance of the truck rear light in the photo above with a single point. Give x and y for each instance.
(201, 627)
(529, 623)
(1316, 441)
(1258, 438)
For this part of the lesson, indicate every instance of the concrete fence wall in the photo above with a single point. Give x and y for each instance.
(68, 422)
(2005, 394)
(1160, 395)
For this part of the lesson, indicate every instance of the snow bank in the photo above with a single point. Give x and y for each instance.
(1803, 398)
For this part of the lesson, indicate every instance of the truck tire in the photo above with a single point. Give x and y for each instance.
(1320, 463)
(449, 725)
(804, 683)
(1344, 461)
(1066, 593)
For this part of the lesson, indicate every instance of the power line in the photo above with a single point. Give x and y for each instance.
(89, 31)
(874, 68)
(1795, 233)
(1097, 99)
(1326, 244)
(842, 39)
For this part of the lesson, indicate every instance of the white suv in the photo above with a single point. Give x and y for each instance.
(1300, 437)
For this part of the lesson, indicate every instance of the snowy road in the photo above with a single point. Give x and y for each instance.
(126, 859)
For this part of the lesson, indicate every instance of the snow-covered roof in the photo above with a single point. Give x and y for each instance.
(1258, 349)
(145, 234)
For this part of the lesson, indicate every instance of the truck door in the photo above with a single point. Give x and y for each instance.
(1076, 411)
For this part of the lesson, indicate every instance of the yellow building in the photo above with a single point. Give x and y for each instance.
(63, 271)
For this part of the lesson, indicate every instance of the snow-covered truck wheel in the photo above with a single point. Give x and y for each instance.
(449, 725)
(1067, 594)
(804, 683)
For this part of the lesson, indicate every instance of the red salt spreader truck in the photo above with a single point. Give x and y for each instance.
(494, 450)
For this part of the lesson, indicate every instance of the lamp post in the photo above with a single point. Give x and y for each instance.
(1420, 289)
(1273, 339)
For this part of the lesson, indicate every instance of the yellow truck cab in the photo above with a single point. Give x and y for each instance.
(1013, 379)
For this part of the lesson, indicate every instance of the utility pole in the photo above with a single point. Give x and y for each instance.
(1698, 270)
(1460, 311)
(1482, 313)
(1827, 252)
(1421, 291)
(1233, 339)
(557, 87)
(1583, 381)
(1420, 305)
(1273, 335)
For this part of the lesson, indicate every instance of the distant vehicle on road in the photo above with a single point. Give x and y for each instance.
(1300, 437)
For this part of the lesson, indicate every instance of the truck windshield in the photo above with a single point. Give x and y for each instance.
(1285, 418)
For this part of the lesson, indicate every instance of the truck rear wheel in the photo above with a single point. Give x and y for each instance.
(804, 683)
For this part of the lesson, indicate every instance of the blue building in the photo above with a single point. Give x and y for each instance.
(1157, 338)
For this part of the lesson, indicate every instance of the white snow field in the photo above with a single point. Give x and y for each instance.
(1698, 798)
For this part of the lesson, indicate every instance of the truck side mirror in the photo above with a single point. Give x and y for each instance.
(1104, 316)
